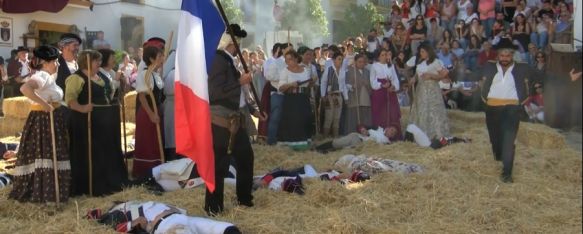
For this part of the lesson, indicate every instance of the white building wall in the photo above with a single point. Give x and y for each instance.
(157, 22)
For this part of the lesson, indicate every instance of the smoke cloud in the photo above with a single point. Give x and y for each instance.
(261, 24)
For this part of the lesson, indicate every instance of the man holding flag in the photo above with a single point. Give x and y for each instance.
(201, 28)
(229, 136)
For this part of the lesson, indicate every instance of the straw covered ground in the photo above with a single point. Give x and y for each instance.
(459, 192)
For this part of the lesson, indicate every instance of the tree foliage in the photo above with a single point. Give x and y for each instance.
(307, 17)
(233, 12)
(357, 20)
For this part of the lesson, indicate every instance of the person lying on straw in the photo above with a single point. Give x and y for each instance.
(157, 217)
(374, 166)
(176, 175)
(415, 134)
(7, 162)
(378, 135)
(291, 180)
(8, 150)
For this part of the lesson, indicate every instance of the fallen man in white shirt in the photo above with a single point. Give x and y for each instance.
(291, 181)
(378, 135)
(415, 134)
(157, 217)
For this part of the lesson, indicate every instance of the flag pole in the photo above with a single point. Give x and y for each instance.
(89, 138)
(55, 162)
(167, 49)
(123, 122)
(356, 90)
(148, 81)
(238, 49)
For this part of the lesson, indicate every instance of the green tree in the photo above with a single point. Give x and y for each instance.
(233, 12)
(306, 16)
(358, 19)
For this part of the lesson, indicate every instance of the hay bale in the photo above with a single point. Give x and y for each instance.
(130, 106)
(540, 136)
(19, 107)
(16, 107)
(10, 126)
(10, 139)
(130, 128)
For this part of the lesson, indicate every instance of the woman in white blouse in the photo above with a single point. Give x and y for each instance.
(385, 83)
(146, 154)
(106, 71)
(296, 125)
(34, 178)
(428, 111)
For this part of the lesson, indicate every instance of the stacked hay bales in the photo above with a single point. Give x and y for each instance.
(130, 106)
(15, 113)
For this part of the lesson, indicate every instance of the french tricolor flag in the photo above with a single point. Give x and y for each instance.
(199, 32)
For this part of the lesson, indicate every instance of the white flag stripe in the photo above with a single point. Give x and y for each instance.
(190, 57)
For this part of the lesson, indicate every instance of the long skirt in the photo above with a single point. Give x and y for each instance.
(34, 178)
(352, 117)
(109, 173)
(428, 111)
(385, 107)
(296, 123)
(147, 153)
(265, 107)
(379, 107)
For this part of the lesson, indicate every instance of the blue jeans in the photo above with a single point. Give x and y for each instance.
(274, 117)
(539, 39)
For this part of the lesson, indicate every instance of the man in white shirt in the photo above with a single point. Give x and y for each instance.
(504, 90)
(156, 217)
(378, 135)
(272, 71)
(69, 46)
(18, 71)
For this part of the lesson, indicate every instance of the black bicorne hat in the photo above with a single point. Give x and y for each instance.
(237, 31)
